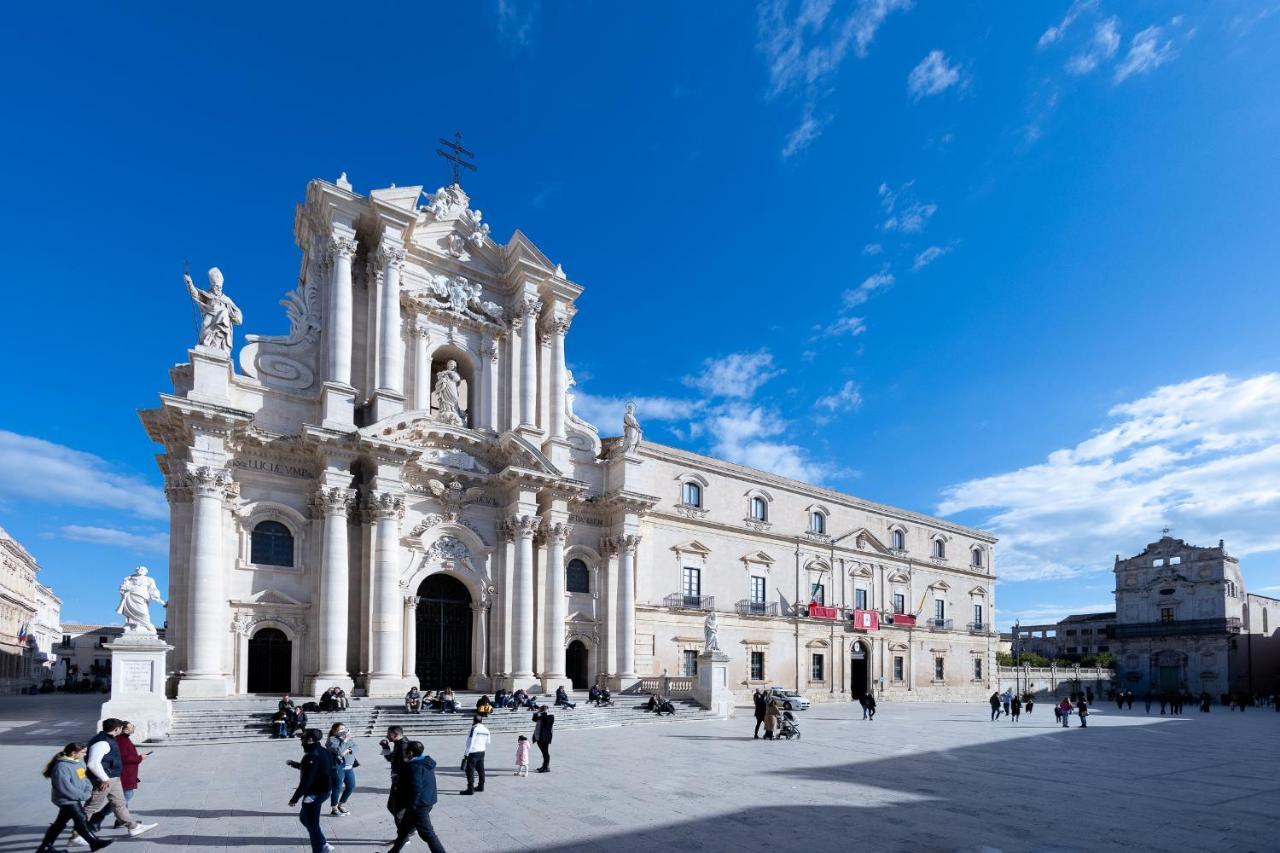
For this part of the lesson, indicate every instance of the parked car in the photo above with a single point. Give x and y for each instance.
(790, 700)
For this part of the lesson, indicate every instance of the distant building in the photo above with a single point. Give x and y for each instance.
(17, 613)
(47, 631)
(1077, 636)
(1185, 622)
(83, 653)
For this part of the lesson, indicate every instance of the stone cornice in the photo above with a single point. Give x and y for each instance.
(684, 457)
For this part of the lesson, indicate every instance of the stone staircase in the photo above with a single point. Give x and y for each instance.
(244, 719)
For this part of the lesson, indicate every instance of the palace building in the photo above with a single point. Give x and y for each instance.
(399, 492)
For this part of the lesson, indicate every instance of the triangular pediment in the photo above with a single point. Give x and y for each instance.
(275, 596)
(579, 616)
(865, 540)
(940, 585)
(978, 590)
(898, 577)
(758, 557)
(520, 249)
(693, 546)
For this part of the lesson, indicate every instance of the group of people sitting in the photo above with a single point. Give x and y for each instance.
(287, 719)
(440, 701)
(334, 699)
(514, 701)
(599, 696)
(659, 705)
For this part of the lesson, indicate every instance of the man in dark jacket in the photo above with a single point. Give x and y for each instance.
(416, 794)
(757, 699)
(315, 779)
(543, 724)
(393, 750)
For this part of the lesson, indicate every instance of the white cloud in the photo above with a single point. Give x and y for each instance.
(851, 326)
(904, 213)
(1057, 31)
(606, 412)
(872, 249)
(1148, 50)
(928, 256)
(1103, 46)
(748, 435)
(1202, 456)
(33, 469)
(738, 374)
(142, 542)
(848, 398)
(805, 44)
(871, 284)
(515, 20)
(933, 76)
(1266, 589)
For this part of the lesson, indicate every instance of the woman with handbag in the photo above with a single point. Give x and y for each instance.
(343, 746)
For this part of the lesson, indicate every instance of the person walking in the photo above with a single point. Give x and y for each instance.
(1064, 712)
(757, 699)
(315, 781)
(1146, 699)
(1082, 709)
(870, 706)
(393, 749)
(1006, 699)
(995, 706)
(1016, 707)
(105, 765)
(130, 758)
(342, 746)
(71, 787)
(1128, 699)
(771, 716)
(543, 729)
(415, 798)
(473, 754)
(1029, 701)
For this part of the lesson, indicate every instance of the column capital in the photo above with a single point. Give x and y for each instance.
(391, 255)
(411, 601)
(386, 505)
(490, 348)
(557, 532)
(531, 307)
(341, 247)
(207, 481)
(629, 543)
(333, 501)
(523, 526)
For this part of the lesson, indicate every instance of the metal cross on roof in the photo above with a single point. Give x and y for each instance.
(455, 155)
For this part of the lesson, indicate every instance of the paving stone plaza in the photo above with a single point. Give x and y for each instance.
(920, 777)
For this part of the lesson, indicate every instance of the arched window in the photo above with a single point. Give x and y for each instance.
(691, 494)
(577, 577)
(817, 522)
(759, 509)
(939, 549)
(271, 544)
(977, 558)
(899, 540)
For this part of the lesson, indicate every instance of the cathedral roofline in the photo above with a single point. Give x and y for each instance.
(676, 454)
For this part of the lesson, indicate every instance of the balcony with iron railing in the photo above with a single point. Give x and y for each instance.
(978, 627)
(756, 608)
(935, 624)
(1177, 628)
(680, 601)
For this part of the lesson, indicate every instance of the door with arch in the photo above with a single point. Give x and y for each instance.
(575, 665)
(444, 633)
(859, 670)
(270, 662)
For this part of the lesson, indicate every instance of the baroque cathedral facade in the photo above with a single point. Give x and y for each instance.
(399, 492)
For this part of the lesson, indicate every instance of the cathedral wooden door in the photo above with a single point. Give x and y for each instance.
(444, 633)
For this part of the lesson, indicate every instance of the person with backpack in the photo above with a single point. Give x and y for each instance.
(71, 787)
(415, 796)
(315, 781)
(473, 754)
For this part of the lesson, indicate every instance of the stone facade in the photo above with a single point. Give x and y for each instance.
(47, 630)
(1071, 638)
(1181, 622)
(18, 611)
(398, 491)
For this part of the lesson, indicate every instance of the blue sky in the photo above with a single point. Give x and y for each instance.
(1014, 263)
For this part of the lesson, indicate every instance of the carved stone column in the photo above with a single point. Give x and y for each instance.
(529, 363)
(479, 648)
(523, 526)
(338, 323)
(627, 607)
(389, 395)
(608, 595)
(553, 621)
(422, 369)
(209, 614)
(332, 504)
(410, 664)
(559, 328)
(489, 384)
(388, 603)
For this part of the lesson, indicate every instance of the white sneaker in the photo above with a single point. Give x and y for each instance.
(328, 848)
(78, 841)
(141, 828)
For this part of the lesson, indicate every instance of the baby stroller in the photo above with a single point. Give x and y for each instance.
(789, 728)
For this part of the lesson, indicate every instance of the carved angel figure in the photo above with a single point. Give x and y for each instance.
(217, 312)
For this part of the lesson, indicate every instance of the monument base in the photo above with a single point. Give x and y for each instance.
(137, 685)
(712, 690)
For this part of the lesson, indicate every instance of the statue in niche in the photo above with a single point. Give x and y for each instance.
(631, 431)
(448, 397)
(217, 312)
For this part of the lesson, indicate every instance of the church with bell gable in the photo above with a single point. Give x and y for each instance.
(398, 492)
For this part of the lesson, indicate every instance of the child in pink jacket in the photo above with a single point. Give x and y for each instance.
(522, 756)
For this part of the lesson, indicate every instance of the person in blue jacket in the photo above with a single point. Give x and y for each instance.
(416, 794)
(315, 781)
(71, 787)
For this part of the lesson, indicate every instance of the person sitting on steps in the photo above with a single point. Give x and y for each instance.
(562, 699)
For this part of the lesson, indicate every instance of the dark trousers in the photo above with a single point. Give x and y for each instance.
(73, 814)
(417, 819)
(759, 723)
(309, 816)
(545, 749)
(475, 764)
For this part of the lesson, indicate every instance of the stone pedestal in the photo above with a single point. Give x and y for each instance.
(712, 691)
(385, 404)
(137, 685)
(210, 375)
(337, 406)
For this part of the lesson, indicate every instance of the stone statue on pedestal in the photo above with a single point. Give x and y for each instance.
(711, 633)
(447, 395)
(217, 312)
(631, 431)
(137, 591)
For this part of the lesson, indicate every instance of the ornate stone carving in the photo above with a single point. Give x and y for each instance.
(333, 501)
(391, 257)
(531, 307)
(448, 203)
(459, 295)
(446, 397)
(218, 314)
(411, 601)
(631, 432)
(177, 488)
(491, 349)
(213, 482)
(455, 245)
(386, 504)
(454, 497)
(558, 532)
(434, 519)
(451, 551)
(137, 591)
(711, 633)
(608, 546)
(524, 526)
(341, 247)
(629, 543)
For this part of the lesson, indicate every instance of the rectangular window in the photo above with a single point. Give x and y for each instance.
(939, 609)
(757, 590)
(977, 616)
(899, 667)
(819, 594)
(899, 603)
(692, 587)
(66, 639)
(977, 669)
(757, 666)
(817, 671)
(860, 599)
(1166, 614)
(937, 669)
(690, 662)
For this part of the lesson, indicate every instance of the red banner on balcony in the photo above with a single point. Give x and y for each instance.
(865, 620)
(817, 611)
(903, 619)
